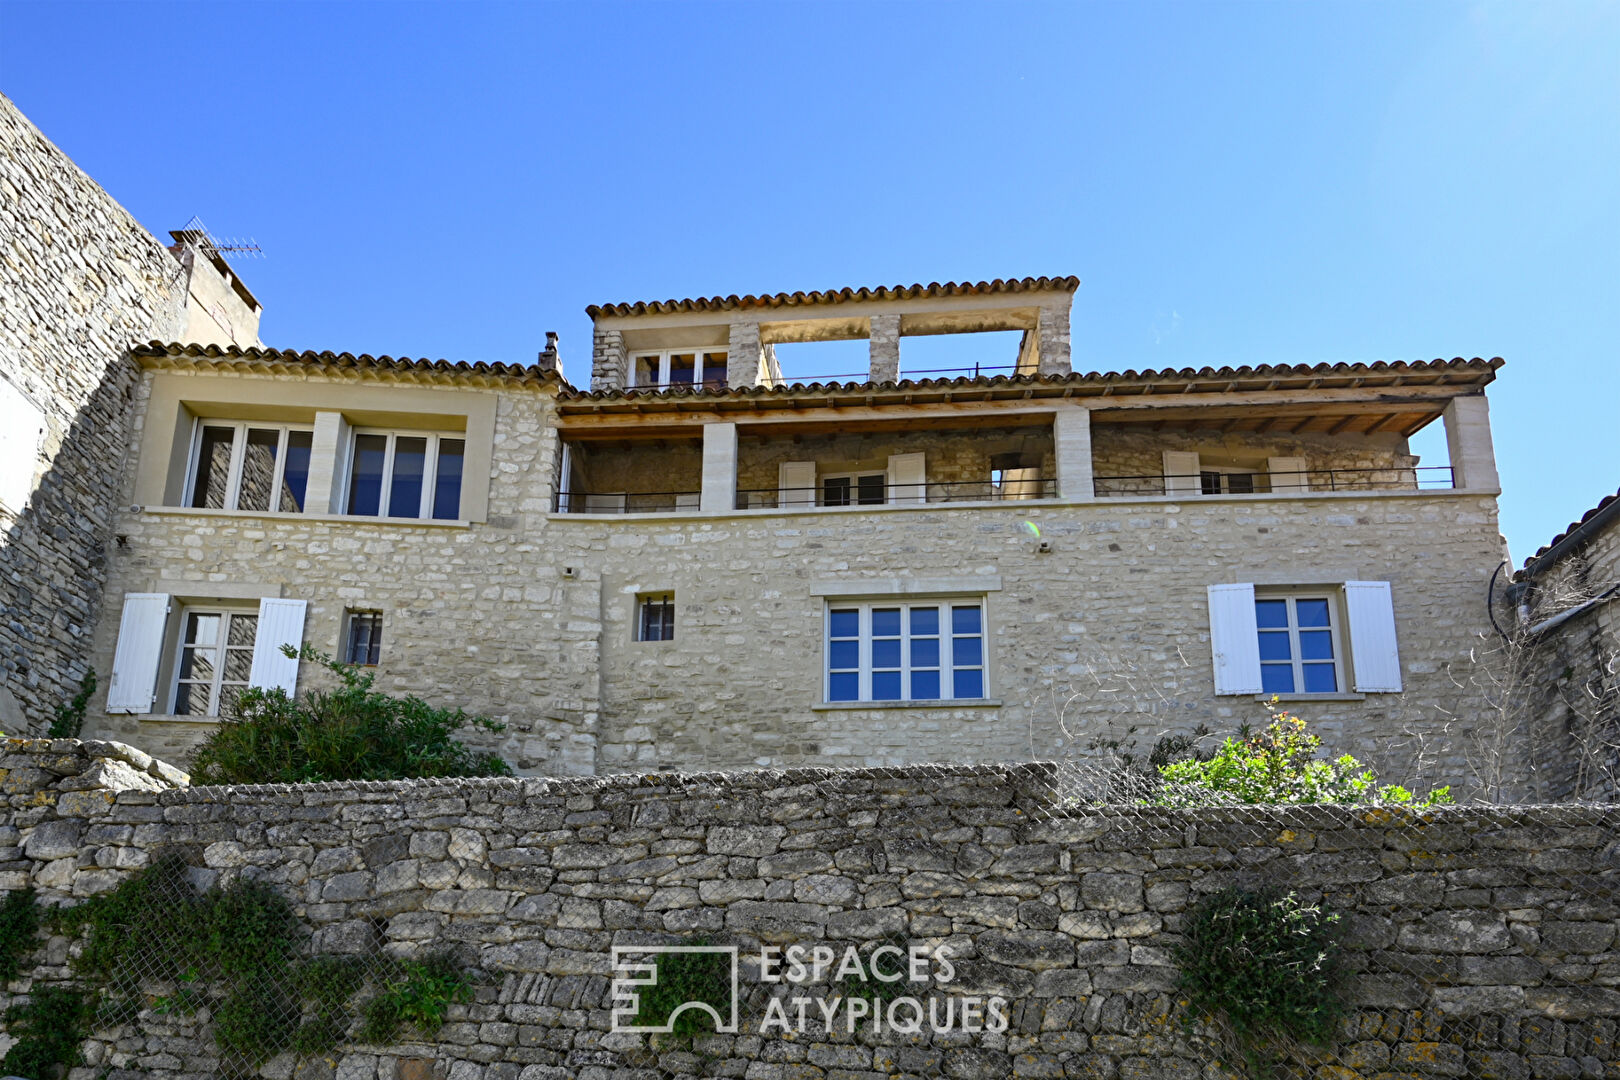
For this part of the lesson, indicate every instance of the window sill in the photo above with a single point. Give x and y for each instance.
(267, 515)
(1311, 697)
(935, 703)
(170, 718)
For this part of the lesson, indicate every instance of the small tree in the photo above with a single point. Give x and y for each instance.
(351, 732)
(1279, 765)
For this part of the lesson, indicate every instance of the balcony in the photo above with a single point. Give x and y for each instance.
(1260, 482)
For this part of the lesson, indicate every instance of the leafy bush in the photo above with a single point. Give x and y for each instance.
(1280, 765)
(19, 932)
(1264, 967)
(69, 718)
(417, 992)
(352, 732)
(683, 977)
(48, 1027)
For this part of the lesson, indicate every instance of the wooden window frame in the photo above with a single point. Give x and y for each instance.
(854, 484)
(700, 366)
(430, 471)
(1336, 627)
(233, 484)
(373, 647)
(218, 683)
(946, 667)
(666, 626)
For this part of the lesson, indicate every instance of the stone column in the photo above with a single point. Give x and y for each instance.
(884, 341)
(745, 355)
(719, 468)
(607, 360)
(1071, 439)
(1053, 333)
(328, 464)
(1468, 440)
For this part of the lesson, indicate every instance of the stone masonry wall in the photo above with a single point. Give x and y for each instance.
(1481, 942)
(1121, 451)
(1103, 638)
(1574, 672)
(951, 456)
(476, 615)
(82, 282)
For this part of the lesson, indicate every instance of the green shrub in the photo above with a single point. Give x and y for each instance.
(1263, 966)
(48, 1027)
(1279, 765)
(69, 718)
(683, 977)
(417, 992)
(19, 932)
(351, 732)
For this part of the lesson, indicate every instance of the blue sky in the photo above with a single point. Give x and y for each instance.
(1234, 184)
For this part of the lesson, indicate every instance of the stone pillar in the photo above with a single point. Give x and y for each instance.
(884, 341)
(1053, 332)
(607, 360)
(745, 356)
(1071, 439)
(328, 464)
(719, 468)
(1468, 439)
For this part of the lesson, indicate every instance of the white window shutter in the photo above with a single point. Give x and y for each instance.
(1181, 474)
(22, 433)
(1288, 474)
(281, 622)
(796, 484)
(1234, 639)
(133, 688)
(908, 478)
(1371, 614)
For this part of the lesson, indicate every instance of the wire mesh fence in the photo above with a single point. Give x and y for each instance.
(1047, 919)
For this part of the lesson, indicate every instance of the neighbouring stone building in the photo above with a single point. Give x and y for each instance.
(699, 563)
(82, 283)
(1565, 650)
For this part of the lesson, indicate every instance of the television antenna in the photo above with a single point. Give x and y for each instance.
(212, 245)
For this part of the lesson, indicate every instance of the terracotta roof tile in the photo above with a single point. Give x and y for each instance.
(1486, 368)
(156, 349)
(1602, 506)
(838, 296)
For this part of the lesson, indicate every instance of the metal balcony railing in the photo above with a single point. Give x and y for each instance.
(626, 502)
(885, 494)
(1229, 482)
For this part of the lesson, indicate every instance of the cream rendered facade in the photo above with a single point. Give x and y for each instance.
(1164, 503)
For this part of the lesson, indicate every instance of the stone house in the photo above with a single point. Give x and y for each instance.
(1565, 647)
(698, 563)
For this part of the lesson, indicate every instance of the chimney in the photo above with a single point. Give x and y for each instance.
(549, 360)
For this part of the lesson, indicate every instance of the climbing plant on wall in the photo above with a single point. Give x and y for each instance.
(232, 952)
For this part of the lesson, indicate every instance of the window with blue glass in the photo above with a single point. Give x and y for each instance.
(884, 651)
(1299, 644)
(404, 475)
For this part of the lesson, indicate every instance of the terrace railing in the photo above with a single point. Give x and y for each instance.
(1415, 478)
(942, 491)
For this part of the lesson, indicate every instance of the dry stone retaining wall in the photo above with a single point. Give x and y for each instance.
(1482, 940)
(82, 282)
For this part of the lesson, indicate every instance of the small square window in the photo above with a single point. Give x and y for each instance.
(363, 644)
(656, 617)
